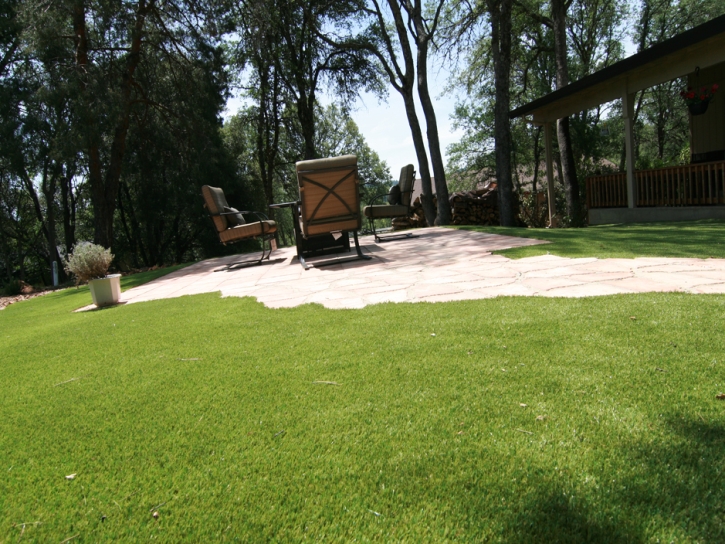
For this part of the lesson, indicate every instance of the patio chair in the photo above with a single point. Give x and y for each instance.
(399, 200)
(232, 227)
(329, 204)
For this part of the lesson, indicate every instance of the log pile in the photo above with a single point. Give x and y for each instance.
(479, 207)
(475, 207)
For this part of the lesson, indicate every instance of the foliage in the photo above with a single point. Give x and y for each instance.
(505, 425)
(12, 288)
(88, 262)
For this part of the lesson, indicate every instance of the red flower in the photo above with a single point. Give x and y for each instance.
(690, 95)
(715, 87)
(702, 97)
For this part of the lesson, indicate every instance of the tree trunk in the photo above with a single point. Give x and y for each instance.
(436, 159)
(501, 50)
(50, 188)
(426, 197)
(568, 166)
(68, 201)
(403, 82)
(104, 189)
(423, 34)
(306, 115)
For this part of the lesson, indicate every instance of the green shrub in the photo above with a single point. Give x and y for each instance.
(88, 262)
(14, 288)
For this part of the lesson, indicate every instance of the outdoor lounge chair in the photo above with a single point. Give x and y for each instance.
(232, 227)
(399, 200)
(329, 204)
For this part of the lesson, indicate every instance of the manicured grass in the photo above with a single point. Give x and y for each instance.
(521, 420)
(699, 239)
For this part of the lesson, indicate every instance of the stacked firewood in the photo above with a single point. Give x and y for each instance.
(479, 207)
(475, 207)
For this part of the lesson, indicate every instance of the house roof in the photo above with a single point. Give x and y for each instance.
(701, 47)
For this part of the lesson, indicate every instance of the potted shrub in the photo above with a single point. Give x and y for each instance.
(89, 263)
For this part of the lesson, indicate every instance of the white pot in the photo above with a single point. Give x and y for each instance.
(106, 291)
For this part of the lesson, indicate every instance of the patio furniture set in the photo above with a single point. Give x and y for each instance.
(328, 210)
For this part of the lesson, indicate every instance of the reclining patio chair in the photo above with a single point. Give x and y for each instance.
(399, 200)
(232, 227)
(329, 203)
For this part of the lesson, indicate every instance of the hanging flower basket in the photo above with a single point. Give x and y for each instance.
(698, 100)
(699, 108)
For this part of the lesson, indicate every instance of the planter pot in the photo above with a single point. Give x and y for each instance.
(699, 108)
(106, 291)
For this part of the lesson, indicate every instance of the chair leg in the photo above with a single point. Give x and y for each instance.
(381, 239)
(357, 247)
(372, 225)
(298, 241)
(266, 254)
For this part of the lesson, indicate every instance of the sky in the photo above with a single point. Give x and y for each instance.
(384, 125)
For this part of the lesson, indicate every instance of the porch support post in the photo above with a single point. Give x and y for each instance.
(628, 110)
(550, 175)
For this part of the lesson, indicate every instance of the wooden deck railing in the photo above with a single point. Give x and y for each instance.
(691, 185)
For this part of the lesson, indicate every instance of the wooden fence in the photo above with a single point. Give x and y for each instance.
(691, 185)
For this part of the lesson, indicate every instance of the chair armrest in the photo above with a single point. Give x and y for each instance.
(377, 197)
(281, 205)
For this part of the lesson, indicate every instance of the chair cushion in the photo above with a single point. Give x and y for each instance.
(250, 230)
(407, 179)
(331, 162)
(394, 195)
(378, 212)
(215, 203)
(234, 219)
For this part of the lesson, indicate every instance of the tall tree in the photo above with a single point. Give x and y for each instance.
(484, 29)
(102, 45)
(423, 31)
(500, 14)
(303, 60)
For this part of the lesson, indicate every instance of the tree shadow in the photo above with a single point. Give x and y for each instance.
(669, 487)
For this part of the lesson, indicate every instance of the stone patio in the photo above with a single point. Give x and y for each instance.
(437, 265)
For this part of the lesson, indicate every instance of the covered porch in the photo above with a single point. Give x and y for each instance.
(677, 193)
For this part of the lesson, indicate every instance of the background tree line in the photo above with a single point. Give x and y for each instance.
(111, 112)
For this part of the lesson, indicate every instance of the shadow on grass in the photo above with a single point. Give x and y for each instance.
(668, 490)
(553, 517)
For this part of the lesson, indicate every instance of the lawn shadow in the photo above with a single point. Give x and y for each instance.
(551, 516)
(668, 489)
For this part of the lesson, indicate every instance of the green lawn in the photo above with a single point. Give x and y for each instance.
(693, 239)
(507, 420)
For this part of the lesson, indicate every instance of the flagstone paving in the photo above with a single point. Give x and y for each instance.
(436, 265)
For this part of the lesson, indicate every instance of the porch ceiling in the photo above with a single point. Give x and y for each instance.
(702, 46)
